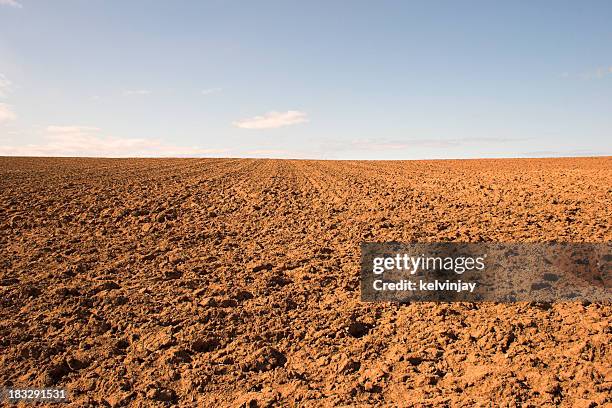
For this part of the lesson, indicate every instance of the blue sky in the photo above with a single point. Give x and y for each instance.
(316, 79)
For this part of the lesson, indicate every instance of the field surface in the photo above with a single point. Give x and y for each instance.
(235, 282)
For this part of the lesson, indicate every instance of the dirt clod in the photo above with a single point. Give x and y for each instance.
(264, 359)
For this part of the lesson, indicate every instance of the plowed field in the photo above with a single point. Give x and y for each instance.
(229, 282)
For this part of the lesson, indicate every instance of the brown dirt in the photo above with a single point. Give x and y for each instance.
(222, 282)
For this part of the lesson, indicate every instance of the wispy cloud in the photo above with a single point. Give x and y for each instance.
(598, 73)
(369, 144)
(6, 113)
(272, 120)
(568, 153)
(210, 91)
(5, 86)
(71, 129)
(406, 144)
(87, 141)
(383, 144)
(269, 153)
(132, 92)
(10, 3)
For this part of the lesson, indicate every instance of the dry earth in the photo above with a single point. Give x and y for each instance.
(226, 282)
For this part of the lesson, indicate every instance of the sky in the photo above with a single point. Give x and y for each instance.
(305, 79)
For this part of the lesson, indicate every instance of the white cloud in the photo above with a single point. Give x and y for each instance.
(210, 91)
(86, 141)
(137, 92)
(10, 3)
(272, 120)
(5, 86)
(6, 113)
